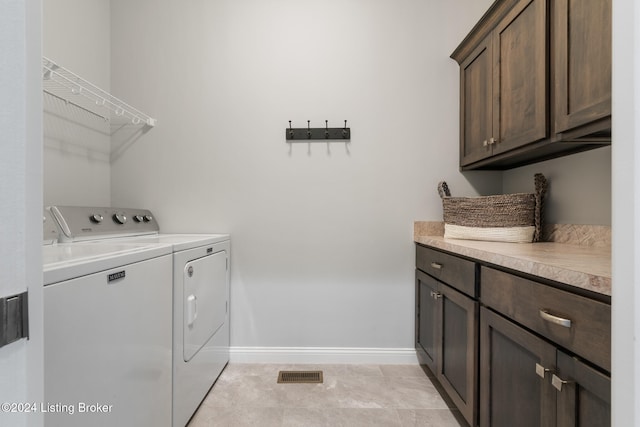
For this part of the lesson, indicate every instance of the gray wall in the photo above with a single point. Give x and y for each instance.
(579, 189)
(77, 171)
(322, 234)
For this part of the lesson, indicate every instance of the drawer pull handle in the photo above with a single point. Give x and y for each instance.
(436, 266)
(555, 319)
(558, 382)
(541, 370)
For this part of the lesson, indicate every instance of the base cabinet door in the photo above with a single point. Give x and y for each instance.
(427, 321)
(447, 341)
(457, 364)
(515, 367)
(584, 394)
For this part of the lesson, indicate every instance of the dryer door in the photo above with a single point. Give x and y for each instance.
(204, 299)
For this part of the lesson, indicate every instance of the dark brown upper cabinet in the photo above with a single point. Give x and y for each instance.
(530, 90)
(503, 89)
(582, 65)
(476, 104)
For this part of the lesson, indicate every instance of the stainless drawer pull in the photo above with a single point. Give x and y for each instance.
(555, 319)
(541, 370)
(436, 266)
(558, 382)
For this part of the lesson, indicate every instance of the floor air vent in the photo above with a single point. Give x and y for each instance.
(299, 377)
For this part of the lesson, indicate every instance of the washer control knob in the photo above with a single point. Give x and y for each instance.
(148, 218)
(97, 218)
(138, 218)
(120, 218)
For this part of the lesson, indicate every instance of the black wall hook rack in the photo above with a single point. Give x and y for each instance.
(325, 133)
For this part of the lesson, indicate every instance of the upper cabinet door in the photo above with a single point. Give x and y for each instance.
(520, 76)
(476, 104)
(582, 62)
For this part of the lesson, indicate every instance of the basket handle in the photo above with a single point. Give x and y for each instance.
(443, 190)
(540, 183)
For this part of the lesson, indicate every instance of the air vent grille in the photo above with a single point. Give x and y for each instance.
(299, 377)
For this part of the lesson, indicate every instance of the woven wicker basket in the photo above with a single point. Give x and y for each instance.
(504, 218)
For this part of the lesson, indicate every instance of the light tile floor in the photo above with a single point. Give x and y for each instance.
(351, 395)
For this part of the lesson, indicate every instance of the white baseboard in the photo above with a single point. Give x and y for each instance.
(324, 355)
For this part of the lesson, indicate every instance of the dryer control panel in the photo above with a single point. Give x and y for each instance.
(79, 223)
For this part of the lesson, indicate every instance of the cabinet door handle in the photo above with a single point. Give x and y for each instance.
(558, 382)
(435, 295)
(541, 370)
(485, 143)
(554, 319)
(436, 266)
(492, 141)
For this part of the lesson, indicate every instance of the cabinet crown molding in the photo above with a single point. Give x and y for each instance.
(485, 25)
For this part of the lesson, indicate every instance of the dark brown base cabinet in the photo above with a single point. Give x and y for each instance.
(526, 381)
(585, 399)
(511, 392)
(447, 335)
(505, 348)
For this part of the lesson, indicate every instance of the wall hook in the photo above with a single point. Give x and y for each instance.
(309, 133)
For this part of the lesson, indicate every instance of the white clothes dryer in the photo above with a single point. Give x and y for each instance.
(201, 266)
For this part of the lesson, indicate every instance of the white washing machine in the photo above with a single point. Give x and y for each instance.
(107, 334)
(200, 276)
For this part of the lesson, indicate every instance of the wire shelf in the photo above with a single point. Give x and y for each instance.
(64, 85)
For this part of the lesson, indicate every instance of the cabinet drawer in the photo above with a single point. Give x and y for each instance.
(579, 324)
(456, 272)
